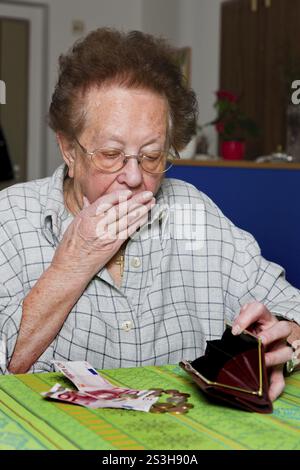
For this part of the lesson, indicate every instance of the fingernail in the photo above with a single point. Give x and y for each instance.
(236, 330)
(85, 202)
(147, 195)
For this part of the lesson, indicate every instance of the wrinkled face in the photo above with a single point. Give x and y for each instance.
(131, 120)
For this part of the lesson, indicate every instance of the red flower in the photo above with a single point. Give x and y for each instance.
(231, 123)
(224, 95)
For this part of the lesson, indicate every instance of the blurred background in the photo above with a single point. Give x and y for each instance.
(249, 47)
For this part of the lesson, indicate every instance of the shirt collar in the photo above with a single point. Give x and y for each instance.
(55, 216)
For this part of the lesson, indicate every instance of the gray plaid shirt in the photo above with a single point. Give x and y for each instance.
(186, 272)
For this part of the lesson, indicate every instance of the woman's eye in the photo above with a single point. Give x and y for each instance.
(112, 154)
(152, 156)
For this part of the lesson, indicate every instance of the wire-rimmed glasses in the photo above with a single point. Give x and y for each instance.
(112, 160)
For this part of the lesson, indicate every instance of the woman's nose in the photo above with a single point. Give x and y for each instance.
(131, 174)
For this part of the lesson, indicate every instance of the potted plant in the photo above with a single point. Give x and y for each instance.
(232, 125)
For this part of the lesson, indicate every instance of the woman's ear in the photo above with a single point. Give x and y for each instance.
(68, 152)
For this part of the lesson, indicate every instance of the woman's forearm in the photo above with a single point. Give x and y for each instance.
(45, 309)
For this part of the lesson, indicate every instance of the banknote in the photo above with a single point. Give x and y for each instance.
(86, 379)
(103, 393)
(82, 375)
(119, 400)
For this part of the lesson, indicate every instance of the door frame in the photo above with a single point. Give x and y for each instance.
(37, 16)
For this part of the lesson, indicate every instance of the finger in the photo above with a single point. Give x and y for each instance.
(104, 203)
(117, 212)
(139, 211)
(278, 356)
(133, 228)
(277, 383)
(249, 315)
(112, 231)
(86, 202)
(116, 226)
(138, 224)
(89, 215)
(280, 330)
(142, 197)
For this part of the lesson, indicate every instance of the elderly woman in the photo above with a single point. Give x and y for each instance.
(93, 264)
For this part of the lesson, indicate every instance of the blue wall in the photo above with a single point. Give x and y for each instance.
(265, 202)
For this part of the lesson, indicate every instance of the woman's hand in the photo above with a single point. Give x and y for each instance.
(256, 318)
(99, 230)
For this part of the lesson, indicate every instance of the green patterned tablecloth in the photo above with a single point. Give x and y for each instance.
(27, 421)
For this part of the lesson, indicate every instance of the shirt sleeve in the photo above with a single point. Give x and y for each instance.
(12, 294)
(11, 297)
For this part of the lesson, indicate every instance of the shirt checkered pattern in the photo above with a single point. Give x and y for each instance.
(174, 295)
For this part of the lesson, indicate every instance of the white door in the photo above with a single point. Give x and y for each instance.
(23, 60)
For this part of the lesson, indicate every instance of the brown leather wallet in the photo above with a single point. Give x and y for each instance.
(233, 370)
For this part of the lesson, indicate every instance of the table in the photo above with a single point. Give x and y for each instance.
(28, 421)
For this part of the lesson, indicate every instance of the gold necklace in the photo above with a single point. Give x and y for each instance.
(120, 261)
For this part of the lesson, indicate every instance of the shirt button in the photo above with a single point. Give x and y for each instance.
(127, 325)
(136, 262)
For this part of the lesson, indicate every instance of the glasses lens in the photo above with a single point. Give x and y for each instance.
(109, 160)
(113, 160)
(156, 162)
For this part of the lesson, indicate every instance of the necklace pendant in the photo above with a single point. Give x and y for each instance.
(120, 261)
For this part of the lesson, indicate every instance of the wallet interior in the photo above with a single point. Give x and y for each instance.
(233, 370)
(233, 362)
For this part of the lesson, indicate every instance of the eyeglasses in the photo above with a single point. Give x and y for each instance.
(111, 160)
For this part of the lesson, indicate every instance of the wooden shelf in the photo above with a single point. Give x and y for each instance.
(238, 164)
